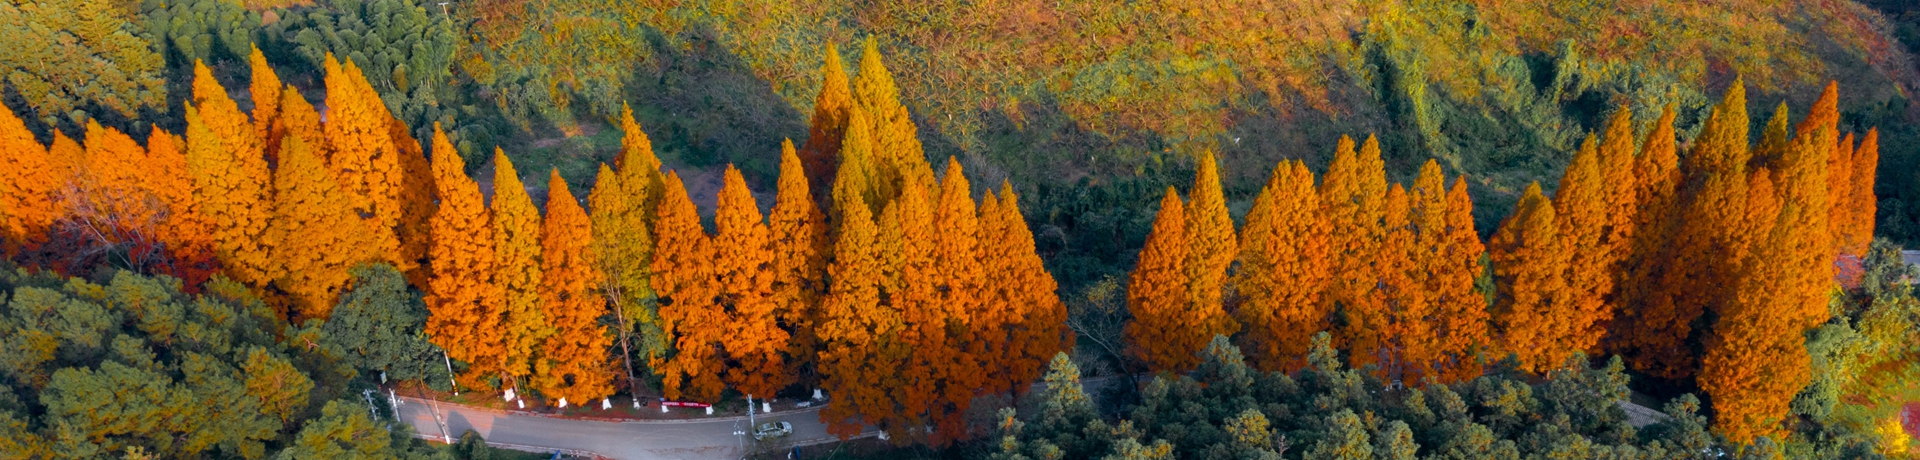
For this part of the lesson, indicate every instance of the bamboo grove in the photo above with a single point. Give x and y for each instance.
(1638, 253)
(906, 294)
(892, 288)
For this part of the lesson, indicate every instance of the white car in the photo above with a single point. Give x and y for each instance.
(772, 430)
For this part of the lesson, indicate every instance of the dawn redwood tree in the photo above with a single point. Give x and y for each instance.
(859, 334)
(743, 254)
(572, 363)
(26, 190)
(1210, 250)
(1034, 318)
(1352, 196)
(800, 249)
(1529, 264)
(230, 180)
(315, 234)
(832, 110)
(264, 87)
(463, 296)
(361, 151)
(690, 313)
(185, 232)
(619, 236)
(1283, 270)
(516, 245)
(1464, 339)
(1157, 294)
(1581, 210)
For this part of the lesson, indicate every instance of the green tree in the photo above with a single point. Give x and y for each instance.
(378, 327)
(70, 56)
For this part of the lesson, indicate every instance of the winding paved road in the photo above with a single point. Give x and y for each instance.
(636, 440)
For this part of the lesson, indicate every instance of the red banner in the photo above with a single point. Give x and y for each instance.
(684, 404)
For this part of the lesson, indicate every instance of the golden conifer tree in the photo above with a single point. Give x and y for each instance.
(799, 233)
(621, 247)
(108, 183)
(361, 152)
(1460, 306)
(237, 208)
(1529, 264)
(858, 333)
(516, 245)
(26, 190)
(463, 296)
(1353, 194)
(831, 112)
(232, 126)
(1805, 186)
(1617, 172)
(414, 226)
(958, 311)
(316, 236)
(265, 89)
(638, 165)
(855, 171)
(1283, 268)
(573, 361)
(1580, 209)
(898, 158)
(910, 264)
(1210, 250)
(298, 119)
(743, 265)
(690, 312)
(1656, 182)
(1157, 294)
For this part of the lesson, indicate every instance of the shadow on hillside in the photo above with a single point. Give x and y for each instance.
(703, 107)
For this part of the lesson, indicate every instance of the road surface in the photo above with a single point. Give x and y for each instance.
(636, 440)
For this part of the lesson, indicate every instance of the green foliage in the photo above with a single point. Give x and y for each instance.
(134, 365)
(208, 30)
(1226, 410)
(1866, 360)
(77, 59)
(378, 327)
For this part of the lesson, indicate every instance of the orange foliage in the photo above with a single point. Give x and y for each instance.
(1529, 262)
(186, 233)
(362, 153)
(683, 276)
(831, 110)
(861, 353)
(743, 268)
(516, 245)
(1157, 294)
(1581, 209)
(26, 192)
(573, 360)
(463, 296)
(1462, 308)
(800, 245)
(315, 235)
(236, 206)
(1033, 315)
(1352, 196)
(1210, 250)
(1283, 271)
(265, 90)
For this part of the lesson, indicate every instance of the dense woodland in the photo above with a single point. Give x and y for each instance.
(226, 221)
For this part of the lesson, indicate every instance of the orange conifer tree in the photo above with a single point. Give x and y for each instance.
(743, 256)
(959, 281)
(1861, 205)
(1705, 247)
(1034, 316)
(1460, 306)
(638, 165)
(573, 361)
(910, 263)
(1580, 209)
(26, 190)
(1401, 333)
(463, 296)
(1353, 195)
(799, 233)
(316, 236)
(1157, 294)
(831, 112)
(1283, 268)
(855, 171)
(414, 226)
(235, 131)
(237, 207)
(516, 245)
(1656, 182)
(1530, 266)
(185, 232)
(1210, 250)
(690, 314)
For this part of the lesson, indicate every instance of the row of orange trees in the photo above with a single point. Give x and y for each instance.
(1638, 253)
(910, 298)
